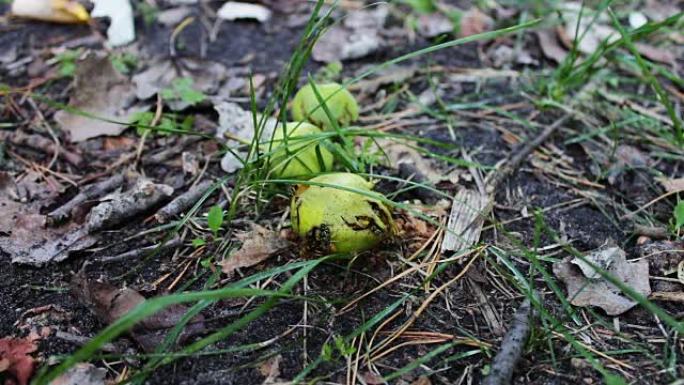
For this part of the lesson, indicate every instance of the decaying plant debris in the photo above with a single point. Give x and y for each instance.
(145, 171)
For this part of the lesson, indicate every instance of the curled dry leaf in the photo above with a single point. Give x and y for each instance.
(271, 369)
(109, 303)
(258, 245)
(16, 360)
(100, 91)
(586, 287)
(399, 154)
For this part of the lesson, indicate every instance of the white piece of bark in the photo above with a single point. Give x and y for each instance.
(468, 212)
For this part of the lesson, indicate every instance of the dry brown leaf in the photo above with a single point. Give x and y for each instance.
(33, 242)
(550, 45)
(422, 380)
(271, 369)
(109, 303)
(399, 154)
(103, 92)
(475, 21)
(15, 359)
(587, 288)
(672, 185)
(257, 246)
(372, 378)
(68, 11)
(661, 55)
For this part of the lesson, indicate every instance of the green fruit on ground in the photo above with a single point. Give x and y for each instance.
(336, 220)
(302, 155)
(339, 101)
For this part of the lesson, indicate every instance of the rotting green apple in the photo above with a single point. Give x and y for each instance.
(339, 101)
(298, 156)
(332, 218)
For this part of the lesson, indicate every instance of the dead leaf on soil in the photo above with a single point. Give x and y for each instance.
(371, 378)
(258, 245)
(118, 207)
(109, 303)
(627, 157)
(550, 45)
(101, 91)
(672, 185)
(657, 54)
(32, 242)
(474, 21)
(23, 231)
(271, 369)
(82, 374)
(587, 288)
(357, 36)
(399, 153)
(172, 17)
(15, 359)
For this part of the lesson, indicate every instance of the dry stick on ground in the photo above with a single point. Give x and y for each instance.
(513, 162)
(182, 202)
(39, 143)
(506, 359)
(90, 192)
(471, 208)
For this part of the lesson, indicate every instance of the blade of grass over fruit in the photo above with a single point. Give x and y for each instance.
(369, 194)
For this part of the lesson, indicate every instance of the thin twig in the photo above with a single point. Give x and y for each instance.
(513, 162)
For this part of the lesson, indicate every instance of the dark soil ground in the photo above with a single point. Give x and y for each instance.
(265, 48)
